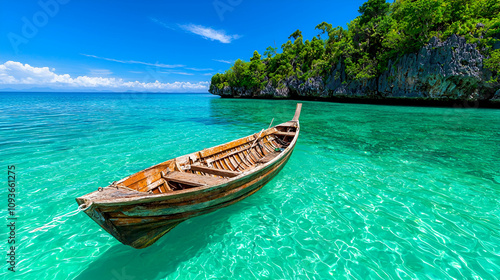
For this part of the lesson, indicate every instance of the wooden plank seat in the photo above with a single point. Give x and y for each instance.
(193, 179)
(157, 184)
(288, 124)
(283, 133)
(215, 171)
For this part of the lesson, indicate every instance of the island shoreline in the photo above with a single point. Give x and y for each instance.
(388, 101)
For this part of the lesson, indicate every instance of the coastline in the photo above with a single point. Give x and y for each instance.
(390, 101)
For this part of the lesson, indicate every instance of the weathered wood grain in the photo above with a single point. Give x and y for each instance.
(215, 171)
(190, 185)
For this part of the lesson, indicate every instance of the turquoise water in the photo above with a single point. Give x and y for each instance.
(371, 192)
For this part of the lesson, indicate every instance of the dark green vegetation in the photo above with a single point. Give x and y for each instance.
(382, 32)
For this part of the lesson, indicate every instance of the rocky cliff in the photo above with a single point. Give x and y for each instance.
(448, 70)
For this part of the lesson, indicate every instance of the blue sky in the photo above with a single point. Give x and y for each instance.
(172, 46)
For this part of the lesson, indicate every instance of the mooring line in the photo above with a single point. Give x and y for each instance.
(57, 220)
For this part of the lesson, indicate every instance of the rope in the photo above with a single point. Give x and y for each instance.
(57, 220)
(282, 142)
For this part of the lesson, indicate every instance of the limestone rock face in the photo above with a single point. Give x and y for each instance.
(224, 92)
(338, 84)
(280, 91)
(450, 69)
(313, 87)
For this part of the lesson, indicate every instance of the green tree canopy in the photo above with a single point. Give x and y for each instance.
(382, 32)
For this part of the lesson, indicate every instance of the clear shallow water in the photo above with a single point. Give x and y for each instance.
(380, 192)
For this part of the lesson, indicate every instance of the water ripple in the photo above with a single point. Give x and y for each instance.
(371, 192)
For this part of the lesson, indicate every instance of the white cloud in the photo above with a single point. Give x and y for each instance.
(178, 73)
(161, 65)
(209, 33)
(205, 32)
(161, 23)
(200, 69)
(223, 61)
(16, 74)
(97, 72)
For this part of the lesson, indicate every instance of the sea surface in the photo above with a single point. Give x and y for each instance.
(370, 192)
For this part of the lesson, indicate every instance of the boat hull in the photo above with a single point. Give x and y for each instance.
(144, 206)
(142, 224)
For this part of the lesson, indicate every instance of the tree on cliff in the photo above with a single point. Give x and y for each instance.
(295, 35)
(256, 71)
(493, 63)
(372, 10)
(270, 51)
(382, 32)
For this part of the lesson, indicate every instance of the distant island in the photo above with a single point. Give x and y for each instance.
(421, 50)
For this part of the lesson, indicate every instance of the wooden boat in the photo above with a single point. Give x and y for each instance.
(141, 208)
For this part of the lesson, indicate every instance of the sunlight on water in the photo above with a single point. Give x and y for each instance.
(380, 192)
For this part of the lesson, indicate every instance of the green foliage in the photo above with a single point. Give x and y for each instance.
(382, 32)
(373, 10)
(493, 63)
(325, 28)
(295, 35)
(270, 51)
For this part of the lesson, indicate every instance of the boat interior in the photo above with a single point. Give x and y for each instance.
(212, 166)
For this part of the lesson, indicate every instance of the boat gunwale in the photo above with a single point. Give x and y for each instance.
(148, 198)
